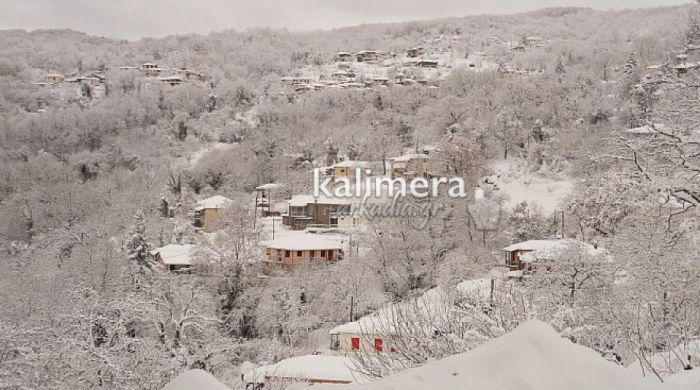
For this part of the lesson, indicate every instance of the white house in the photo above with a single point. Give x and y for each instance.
(174, 257)
(522, 256)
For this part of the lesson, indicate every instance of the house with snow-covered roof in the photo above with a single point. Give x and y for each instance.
(348, 168)
(524, 255)
(415, 52)
(385, 330)
(207, 211)
(150, 69)
(174, 257)
(171, 80)
(369, 56)
(55, 78)
(308, 369)
(343, 57)
(302, 248)
(409, 165)
(309, 211)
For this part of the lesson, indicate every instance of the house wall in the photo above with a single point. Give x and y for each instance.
(292, 257)
(209, 219)
(366, 343)
(516, 263)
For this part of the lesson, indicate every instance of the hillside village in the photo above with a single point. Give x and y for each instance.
(163, 230)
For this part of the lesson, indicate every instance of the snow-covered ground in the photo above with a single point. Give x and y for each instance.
(531, 357)
(195, 380)
(199, 154)
(520, 186)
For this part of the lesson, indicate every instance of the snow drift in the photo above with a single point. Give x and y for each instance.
(531, 357)
(195, 380)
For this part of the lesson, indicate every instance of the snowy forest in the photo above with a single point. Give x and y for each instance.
(569, 125)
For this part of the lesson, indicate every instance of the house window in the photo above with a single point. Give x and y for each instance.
(323, 253)
(299, 253)
(287, 253)
(355, 341)
(378, 345)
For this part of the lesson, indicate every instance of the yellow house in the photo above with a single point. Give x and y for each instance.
(348, 168)
(409, 165)
(206, 212)
(302, 248)
(151, 69)
(55, 78)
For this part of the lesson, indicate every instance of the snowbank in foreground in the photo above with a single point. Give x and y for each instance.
(533, 356)
(195, 380)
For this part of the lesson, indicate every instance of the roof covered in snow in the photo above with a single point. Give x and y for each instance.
(215, 202)
(351, 164)
(318, 367)
(269, 186)
(409, 157)
(195, 380)
(303, 200)
(549, 249)
(641, 130)
(304, 241)
(533, 356)
(175, 254)
(387, 320)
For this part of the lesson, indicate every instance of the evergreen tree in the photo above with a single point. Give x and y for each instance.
(164, 207)
(559, 68)
(631, 64)
(137, 246)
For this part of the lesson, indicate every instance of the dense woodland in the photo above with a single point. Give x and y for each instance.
(89, 187)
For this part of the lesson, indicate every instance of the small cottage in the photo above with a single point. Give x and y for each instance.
(343, 57)
(55, 78)
(302, 248)
(522, 256)
(533, 41)
(369, 56)
(174, 257)
(410, 165)
(306, 211)
(427, 64)
(150, 69)
(171, 80)
(206, 212)
(415, 52)
(372, 333)
(349, 168)
(308, 369)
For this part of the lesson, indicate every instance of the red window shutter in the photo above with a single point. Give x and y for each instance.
(378, 345)
(355, 343)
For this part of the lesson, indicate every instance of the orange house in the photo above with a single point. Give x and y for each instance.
(302, 248)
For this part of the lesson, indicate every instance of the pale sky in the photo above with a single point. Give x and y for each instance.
(134, 19)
